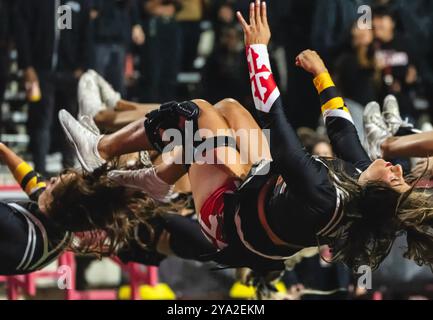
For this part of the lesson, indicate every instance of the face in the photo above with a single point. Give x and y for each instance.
(361, 37)
(323, 149)
(46, 197)
(383, 28)
(383, 171)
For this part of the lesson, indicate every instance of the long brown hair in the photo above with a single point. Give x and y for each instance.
(378, 214)
(104, 214)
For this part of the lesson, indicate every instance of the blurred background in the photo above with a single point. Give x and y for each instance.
(154, 51)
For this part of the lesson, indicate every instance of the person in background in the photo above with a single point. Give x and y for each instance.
(6, 12)
(189, 19)
(223, 13)
(160, 56)
(357, 74)
(225, 69)
(115, 24)
(53, 57)
(355, 68)
(394, 59)
(331, 25)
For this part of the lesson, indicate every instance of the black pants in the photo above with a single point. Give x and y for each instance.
(4, 73)
(190, 39)
(59, 91)
(160, 60)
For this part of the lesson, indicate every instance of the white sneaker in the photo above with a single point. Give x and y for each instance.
(90, 124)
(84, 141)
(145, 180)
(108, 95)
(376, 130)
(89, 98)
(392, 117)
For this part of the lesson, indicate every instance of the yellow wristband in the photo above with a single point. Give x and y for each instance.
(21, 171)
(323, 81)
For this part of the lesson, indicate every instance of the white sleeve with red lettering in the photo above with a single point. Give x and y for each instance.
(263, 86)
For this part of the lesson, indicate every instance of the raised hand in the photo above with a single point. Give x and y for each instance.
(311, 62)
(258, 31)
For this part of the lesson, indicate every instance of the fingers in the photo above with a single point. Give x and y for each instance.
(252, 15)
(242, 21)
(264, 14)
(257, 11)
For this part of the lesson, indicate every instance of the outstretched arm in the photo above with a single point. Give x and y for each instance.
(302, 173)
(339, 123)
(23, 173)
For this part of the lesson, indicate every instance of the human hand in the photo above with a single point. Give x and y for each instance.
(257, 31)
(311, 62)
(138, 36)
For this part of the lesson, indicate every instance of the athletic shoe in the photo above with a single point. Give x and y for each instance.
(90, 124)
(392, 117)
(89, 98)
(84, 141)
(108, 95)
(144, 179)
(376, 130)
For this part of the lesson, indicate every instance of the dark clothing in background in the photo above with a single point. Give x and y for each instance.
(331, 25)
(312, 273)
(6, 32)
(298, 25)
(355, 81)
(6, 15)
(55, 54)
(59, 91)
(399, 57)
(36, 36)
(235, 5)
(114, 21)
(160, 56)
(224, 76)
(112, 37)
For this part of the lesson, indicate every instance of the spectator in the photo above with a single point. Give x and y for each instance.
(115, 24)
(6, 12)
(189, 19)
(160, 56)
(226, 69)
(331, 279)
(355, 69)
(298, 26)
(394, 59)
(332, 22)
(53, 59)
(223, 13)
(357, 76)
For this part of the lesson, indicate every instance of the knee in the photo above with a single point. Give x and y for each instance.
(201, 103)
(230, 107)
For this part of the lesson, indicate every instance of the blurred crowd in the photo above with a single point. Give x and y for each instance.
(143, 46)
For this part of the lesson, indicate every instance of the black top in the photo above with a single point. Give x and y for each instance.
(42, 45)
(115, 20)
